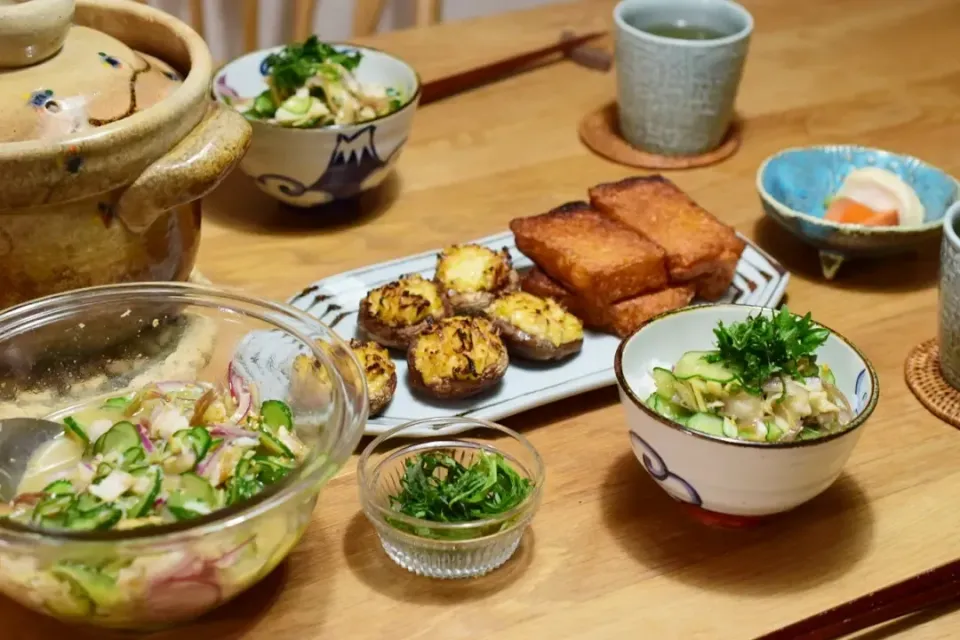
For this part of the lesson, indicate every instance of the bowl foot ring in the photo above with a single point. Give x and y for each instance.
(601, 133)
(923, 376)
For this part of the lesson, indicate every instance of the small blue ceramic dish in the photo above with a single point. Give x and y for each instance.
(795, 184)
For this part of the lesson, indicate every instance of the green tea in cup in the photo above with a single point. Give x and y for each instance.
(681, 30)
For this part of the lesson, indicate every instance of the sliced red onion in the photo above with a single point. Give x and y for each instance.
(230, 431)
(159, 502)
(241, 395)
(208, 461)
(228, 558)
(144, 438)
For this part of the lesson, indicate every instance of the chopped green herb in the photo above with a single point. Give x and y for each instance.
(762, 347)
(437, 487)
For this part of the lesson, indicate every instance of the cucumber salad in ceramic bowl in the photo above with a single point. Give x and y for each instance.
(762, 383)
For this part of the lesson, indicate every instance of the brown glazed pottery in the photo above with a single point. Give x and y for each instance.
(107, 141)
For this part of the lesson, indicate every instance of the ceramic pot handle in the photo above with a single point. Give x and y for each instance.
(189, 171)
(31, 32)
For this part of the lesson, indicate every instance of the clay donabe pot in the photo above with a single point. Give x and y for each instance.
(108, 139)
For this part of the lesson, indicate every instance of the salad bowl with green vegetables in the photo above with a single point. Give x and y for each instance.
(450, 507)
(741, 412)
(329, 120)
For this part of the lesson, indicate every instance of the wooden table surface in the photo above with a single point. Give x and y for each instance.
(609, 555)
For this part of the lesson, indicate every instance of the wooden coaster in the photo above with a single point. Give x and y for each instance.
(600, 131)
(922, 371)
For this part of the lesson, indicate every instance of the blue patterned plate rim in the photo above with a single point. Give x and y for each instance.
(790, 212)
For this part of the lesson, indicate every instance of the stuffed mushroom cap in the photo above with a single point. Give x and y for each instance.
(457, 357)
(471, 276)
(310, 378)
(535, 328)
(396, 312)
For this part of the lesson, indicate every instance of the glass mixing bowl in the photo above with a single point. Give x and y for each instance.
(69, 349)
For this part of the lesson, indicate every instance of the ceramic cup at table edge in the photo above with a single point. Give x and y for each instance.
(685, 113)
(949, 298)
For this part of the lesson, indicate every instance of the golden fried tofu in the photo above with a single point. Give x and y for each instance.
(629, 315)
(695, 242)
(590, 253)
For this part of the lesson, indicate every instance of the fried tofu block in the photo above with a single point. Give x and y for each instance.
(712, 286)
(629, 315)
(621, 318)
(591, 254)
(694, 240)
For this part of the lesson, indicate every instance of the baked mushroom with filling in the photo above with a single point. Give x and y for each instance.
(310, 381)
(471, 276)
(535, 328)
(396, 312)
(457, 357)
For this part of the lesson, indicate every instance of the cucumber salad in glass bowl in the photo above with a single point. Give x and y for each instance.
(177, 478)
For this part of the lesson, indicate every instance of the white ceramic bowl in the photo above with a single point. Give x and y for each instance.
(309, 167)
(723, 477)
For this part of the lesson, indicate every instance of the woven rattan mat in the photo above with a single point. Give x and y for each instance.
(922, 371)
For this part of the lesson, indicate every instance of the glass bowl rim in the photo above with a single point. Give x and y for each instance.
(33, 313)
(538, 475)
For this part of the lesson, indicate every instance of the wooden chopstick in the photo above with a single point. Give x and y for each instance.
(471, 79)
(930, 589)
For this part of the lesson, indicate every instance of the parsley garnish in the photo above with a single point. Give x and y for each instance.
(762, 347)
(437, 487)
(291, 68)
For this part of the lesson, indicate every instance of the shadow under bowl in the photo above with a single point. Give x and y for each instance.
(795, 184)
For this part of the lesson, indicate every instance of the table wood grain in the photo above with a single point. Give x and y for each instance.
(609, 555)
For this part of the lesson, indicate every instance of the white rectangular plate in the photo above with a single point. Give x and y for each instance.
(760, 280)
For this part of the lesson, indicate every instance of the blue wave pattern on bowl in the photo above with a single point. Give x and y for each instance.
(803, 179)
(676, 486)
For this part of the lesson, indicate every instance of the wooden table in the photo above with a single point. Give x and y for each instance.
(609, 555)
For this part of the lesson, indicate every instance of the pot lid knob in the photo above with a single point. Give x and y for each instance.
(32, 30)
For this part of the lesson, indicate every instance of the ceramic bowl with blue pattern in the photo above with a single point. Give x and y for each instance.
(795, 185)
(723, 480)
(310, 167)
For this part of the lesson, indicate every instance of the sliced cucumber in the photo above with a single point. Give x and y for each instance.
(271, 469)
(59, 488)
(100, 588)
(276, 414)
(730, 428)
(774, 432)
(144, 503)
(116, 403)
(120, 437)
(103, 470)
(808, 434)
(196, 497)
(273, 445)
(134, 458)
(73, 430)
(668, 409)
(706, 423)
(665, 382)
(103, 517)
(693, 364)
(53, 506)
(196, 439)
(86, 502)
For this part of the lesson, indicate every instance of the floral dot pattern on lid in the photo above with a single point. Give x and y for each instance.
(40, 98)
(110, 60)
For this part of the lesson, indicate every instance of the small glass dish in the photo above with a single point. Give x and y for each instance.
(440, 549)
